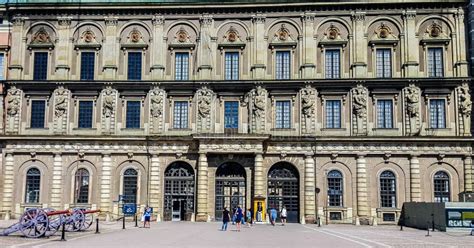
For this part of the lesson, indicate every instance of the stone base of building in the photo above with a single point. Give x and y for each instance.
(202, 218)
(310, 219)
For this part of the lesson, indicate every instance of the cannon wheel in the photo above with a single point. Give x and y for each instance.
(34, 223)
(76, 221)
(88, 220)
(55, 222)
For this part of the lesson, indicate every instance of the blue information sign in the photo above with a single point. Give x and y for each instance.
(129, 209)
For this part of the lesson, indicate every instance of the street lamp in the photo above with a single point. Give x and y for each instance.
(327, 196)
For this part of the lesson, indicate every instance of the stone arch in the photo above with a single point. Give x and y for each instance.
(454, 179)
(70, 180)
(140, 26)
(44, 179)
(176, 24)
(132, 23)
(283, 189)
(401, 181)
(37, 25)
(179, 176)
(347, 182)
(389, 19)
(325, 22)
(221, 29)
(141, 180)
(425, 21)
(95, 27)
(273, 26)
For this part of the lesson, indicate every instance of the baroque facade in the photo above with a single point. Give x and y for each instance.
(337, 112)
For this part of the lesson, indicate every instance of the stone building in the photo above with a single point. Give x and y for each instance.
(342, 112)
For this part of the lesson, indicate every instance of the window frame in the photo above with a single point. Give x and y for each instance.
(122, 183)
(341, 182)
(448, 193)
(391, 65)
(48, 64)
(46, 112)
(341, 59)
(94, 66)
(239, 64)
(174, 60)
(388, 193)
(392, 114)
(173, 126)
(325, 116)
(77, 100)
(3, 68)
(290, 114)
(125, 112)
(238, 115)
(127, 68)
(290, 63)
(446, 114)
(75, 197)
(25, 191)
(443, 61)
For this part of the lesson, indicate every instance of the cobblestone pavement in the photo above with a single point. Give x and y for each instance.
(187, 234)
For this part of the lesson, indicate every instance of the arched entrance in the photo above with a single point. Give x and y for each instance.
(283, 189)
(230, 187)
(179, 192)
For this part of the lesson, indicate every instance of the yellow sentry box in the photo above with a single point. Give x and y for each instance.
(259, 207)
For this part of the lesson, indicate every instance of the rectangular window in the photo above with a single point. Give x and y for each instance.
(2, 66)
(182, 66)
(180, 114)
(283, 114)
(232, 66)
(231, 115)
(437, 113)
(85, 114)
(40, 69)
(384, 63)
(384, 114)
(333, 114)
(37, 113)
(282, 65)
(435, 62)
(134, 66)
(333, 58)
(87, 65)
(133, 114)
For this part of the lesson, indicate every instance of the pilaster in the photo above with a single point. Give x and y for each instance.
(64, 48)
(461, 64)
(361, 191)
(202, 189)
(258, 176)
(110, 48)
(411, 66)
(15, 66)
(106, 183)
(155, 184)
(57, 182)
(205, 53)
(8, 182)
(468, 180)
(258, 60)
(309, 47)
(415, 179)
(309, 190)
(158, 44)
(359, 67)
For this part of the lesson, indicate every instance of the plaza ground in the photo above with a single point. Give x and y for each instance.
(188, 234)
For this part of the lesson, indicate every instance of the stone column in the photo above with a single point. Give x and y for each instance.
(202, 189)
(63, 49)
(309, 47)
(57, 182)
(415, 179)
(258, 60)
(205, 53)
(15, 65)
(362, 194)
(110, 48)
(360, 42)
(106, 183)
(411, 45)
(461, 63)
(258, 176)
(8, 181)
(155, 185)
(158, 45)
(468, 185)
(309, 190)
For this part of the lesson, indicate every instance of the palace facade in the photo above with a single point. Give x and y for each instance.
(337, 111)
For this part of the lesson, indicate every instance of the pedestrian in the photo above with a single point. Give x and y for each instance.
(234, 212)
(259, 212)
(146, 217)
(249, 217)
(273, 216)
(225, 219)
(239, 215)
(283, 215)
(472, 227)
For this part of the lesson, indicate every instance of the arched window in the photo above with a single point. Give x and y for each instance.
(130, 180)
(388, 192)
(33, 180)
(441, 187)
(335, 188)
(81, 189)
(283, 189)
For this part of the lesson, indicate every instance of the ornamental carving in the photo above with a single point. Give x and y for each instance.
(259, 102)
(182, 36)
(108, 102)
(157, 98)
(412, 98)
(41, 37)
(88, 36)
(135, 36)
(232, 35)
(308, 101)
(383, 31)
(204, 99)
(332, 33)
(435, 30)
(60, 105)
(465, 103)
(13, 101)
(359, 101)
(283, 33)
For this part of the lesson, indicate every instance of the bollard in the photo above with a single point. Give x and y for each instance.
(97, 226)
(136, 220)
(319, 222)
(63, 233)
(123, 222)
(428, 230)
(401, 227)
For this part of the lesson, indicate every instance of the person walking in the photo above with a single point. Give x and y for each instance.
(234, 212)
(249, 217)
(146, 217)
(225, 219)
(273, 216)
(239, 215)
(472, 227)
(283, 215)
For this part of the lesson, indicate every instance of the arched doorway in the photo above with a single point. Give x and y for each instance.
(179, 192)
(283, 189)
(230, 187)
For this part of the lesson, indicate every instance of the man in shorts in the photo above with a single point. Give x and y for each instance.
(283, 214)
(147, 217)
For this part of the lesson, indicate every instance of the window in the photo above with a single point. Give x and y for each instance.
(435, 62)
(388, 194)
(335, 188)
(85, 114)
(37, 113)
(134, 66)
(232, 66)
(333, 114)
(441, 187)
(40, 69)
(87, 65)
(384, 63)
(282, 65)
(231, 115)
(2, 66)
(384, 114)
(333, 63)
(33, 180)
(130, 181)
(182, 66)
(388, 217)
(437, 113)
(81, 189)
(180, 119)
(283, 114)
(133, 114)
(335, 215)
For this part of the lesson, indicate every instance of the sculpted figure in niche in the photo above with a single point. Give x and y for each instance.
(41, 36)
(204, 102)
(88, 36)
(360, 102)
(13, 100)
(465, 103)
(135, 36)
(108, 102)
(412, 95)
(156, 100)
(60, 106)
(259, 102)
(307, 101)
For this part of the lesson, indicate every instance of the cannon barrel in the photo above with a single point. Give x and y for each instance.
(91, 211)
(58, 212)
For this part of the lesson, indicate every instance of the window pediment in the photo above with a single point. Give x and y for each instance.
(41, 39)
(332, 37)
(88, 40)
(232, 40)
(283, 38)
(182, 40)
(435, 34)
(383, 35)
(134, 40)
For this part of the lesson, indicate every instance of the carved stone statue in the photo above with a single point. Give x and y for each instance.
(308, 101)
(412, 95)
(359, 97)
(465, 108)
(156, 102)
(204, 98)
(259, 102)
(13, 101)
(108, 102)
(60, 105)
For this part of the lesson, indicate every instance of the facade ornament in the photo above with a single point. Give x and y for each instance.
(259, 18)
(434, 30)
(204, 98)
(358, 16)
(333, 33)
(109, 100)
(111, 21)
(158, 20)
(18, 20)
(412, 95)
(232, 35)
(13, 101)
(283, 33)
(135, 36)
(157, 103)
(465, 109)
(258, 104)
(308, 17)
(64, 20)
(182, 36)
(88, 36)
(308, 109)
(206, 20)
(359, 110)
(61, 97)
(41, 37)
